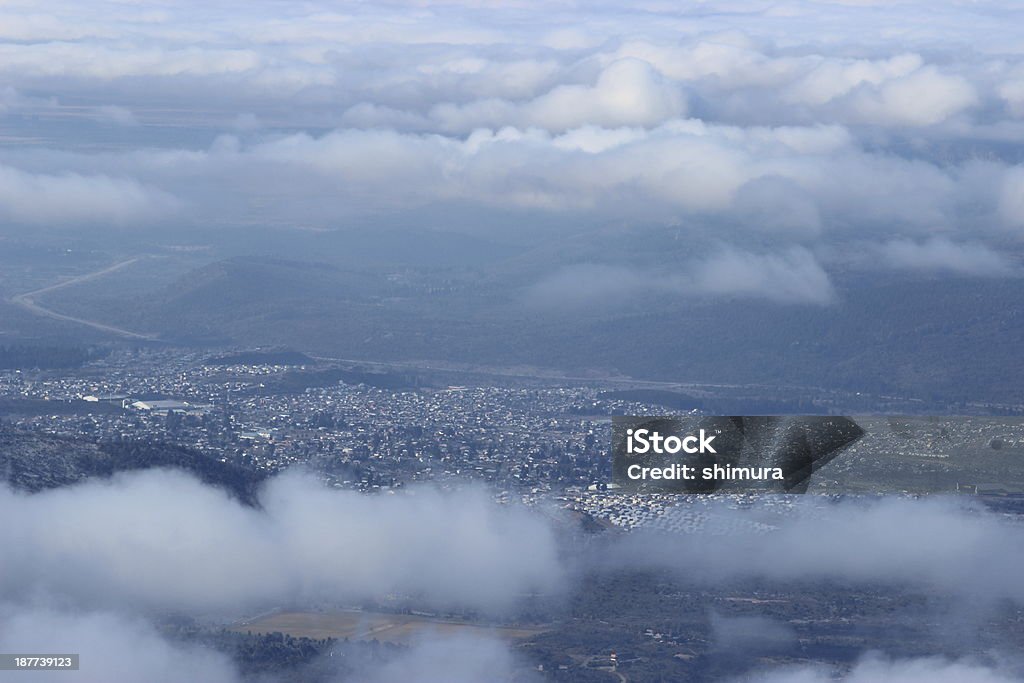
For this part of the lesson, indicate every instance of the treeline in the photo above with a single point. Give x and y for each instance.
(125, 454)
(279, 656)
(25, 356)
(297, 381)
(44, 406)
(35, 462)
(267, 653)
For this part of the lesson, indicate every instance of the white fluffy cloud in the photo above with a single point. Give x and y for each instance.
(628, 92)
(915, 544)
(873, 669)
(453, 659)
(118, 648)
(921, 98)
(939, 254)
(833, 78)
(792, 276)
(112, 648)
(1011, 198)
(163, 540)
(40, 198)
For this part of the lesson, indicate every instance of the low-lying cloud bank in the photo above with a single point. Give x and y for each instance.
(874, 669)
(160, 539)
(112, 648)
(953, 547)
(96, 199)
(453, 659)
(792, 276)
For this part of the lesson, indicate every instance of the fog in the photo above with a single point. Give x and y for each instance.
(793, 276)
(952, 547)
(113, 648)
(94, 562)
(116, 648)
(750, 636)
(875, 668)
(452, 659)
(96, 559)
(162, 540)
(938, 254)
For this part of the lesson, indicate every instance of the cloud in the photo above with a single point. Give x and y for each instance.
(833, 78)
(1012, 91)
(922, 98)
(940, 254)
(786, 181)
(628, 92)
(118, 648)
(876, 668)
(933, 544)
(728, 57)
(539, 63)
(84, 60)
(116, 115)
(97, 556)
(112, 648)
(12, 100)
(452, 659)
(793, 276)
(1011, 198)
(779, 205)
(163, 540)
(72, 198)
(798, 125)
(596, 284)
(751, 636)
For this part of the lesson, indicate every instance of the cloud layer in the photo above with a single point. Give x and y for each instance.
(894, 136)
(117, 648)
(159, 540)
(163, 540)
(874, 668)
(918, 545)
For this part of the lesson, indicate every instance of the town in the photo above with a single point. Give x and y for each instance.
(378, 429)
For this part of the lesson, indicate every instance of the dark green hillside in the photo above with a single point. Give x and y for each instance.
(31, 461)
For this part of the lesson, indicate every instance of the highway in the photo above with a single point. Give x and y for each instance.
(28, 302)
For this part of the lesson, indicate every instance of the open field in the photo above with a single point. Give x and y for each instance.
(359, 625)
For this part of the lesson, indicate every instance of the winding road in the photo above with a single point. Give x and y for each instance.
(27, 301)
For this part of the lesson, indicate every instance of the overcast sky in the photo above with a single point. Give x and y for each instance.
(893, 128)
